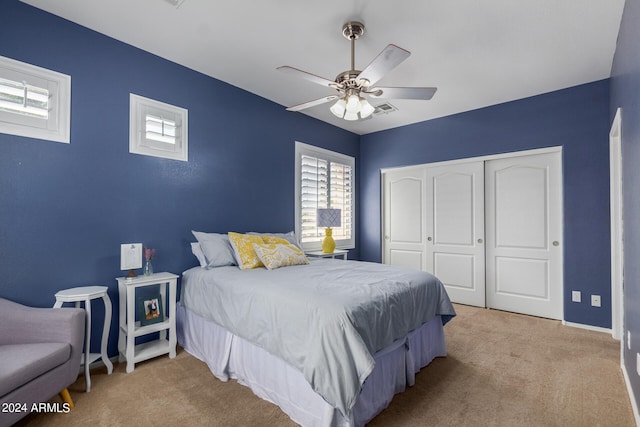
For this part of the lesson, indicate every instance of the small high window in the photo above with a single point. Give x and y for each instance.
(158, 129)
(34, 102)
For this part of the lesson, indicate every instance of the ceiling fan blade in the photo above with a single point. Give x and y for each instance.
(308, 76)
(423, 93)
(313, 103)
(390, 57)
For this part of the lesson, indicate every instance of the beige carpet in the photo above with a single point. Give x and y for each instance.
(503, 369)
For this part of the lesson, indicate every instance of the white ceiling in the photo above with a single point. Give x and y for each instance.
(478, 53)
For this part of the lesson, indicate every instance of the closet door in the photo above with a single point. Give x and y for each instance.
(524, 231)
(455, 230)
(404, 218)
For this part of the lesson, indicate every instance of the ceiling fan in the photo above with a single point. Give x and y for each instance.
(353, 84)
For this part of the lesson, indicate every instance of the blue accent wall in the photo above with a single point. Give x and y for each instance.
(576, 119)
(625, 93)
(65, 209)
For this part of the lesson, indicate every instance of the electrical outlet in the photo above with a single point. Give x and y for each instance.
(576, 296)
(595, 300)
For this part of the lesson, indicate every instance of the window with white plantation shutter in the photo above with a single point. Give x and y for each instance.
(157, 129)
(324, 179)
(34, 102)
(160, 129)
(24, 99)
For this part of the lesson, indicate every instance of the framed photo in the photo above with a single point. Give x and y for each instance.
(150, 309)
(130, 256)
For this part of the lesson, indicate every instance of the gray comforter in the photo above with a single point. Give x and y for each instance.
(326, 319)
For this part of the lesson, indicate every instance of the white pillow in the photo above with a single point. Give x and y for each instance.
(197, 251)
(216, 248)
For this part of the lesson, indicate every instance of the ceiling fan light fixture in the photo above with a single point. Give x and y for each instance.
(352, 107)
(366, 109)
(353, 103)
(339, 108)
(351, 116)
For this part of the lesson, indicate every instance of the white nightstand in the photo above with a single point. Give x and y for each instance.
(130, 329)
(337, 253)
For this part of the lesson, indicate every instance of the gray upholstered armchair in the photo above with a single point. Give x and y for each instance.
(40, 351)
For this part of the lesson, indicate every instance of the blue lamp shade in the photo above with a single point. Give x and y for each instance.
(329, 218)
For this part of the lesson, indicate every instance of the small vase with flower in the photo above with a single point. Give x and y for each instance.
(148, 256)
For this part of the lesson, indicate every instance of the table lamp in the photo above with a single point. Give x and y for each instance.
(328, 218)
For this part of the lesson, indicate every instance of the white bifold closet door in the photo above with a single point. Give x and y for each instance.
(455, 230)
(524, 231)
(489, 229)
(405, 218)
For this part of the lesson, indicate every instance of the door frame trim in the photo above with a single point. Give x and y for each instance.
(475, 159)
(617, 248)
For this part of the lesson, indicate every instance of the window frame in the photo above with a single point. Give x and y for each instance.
(330, 156)
(57, 126)
(141, 107)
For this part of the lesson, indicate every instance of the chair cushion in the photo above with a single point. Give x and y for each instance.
(20, 363)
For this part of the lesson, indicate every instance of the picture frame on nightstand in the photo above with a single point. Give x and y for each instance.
(150, 309)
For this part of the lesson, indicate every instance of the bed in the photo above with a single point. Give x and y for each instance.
(328, 341)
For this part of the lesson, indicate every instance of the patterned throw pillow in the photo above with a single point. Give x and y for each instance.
(276, 255)
(290, 237)
(274, 239)
(243, 249)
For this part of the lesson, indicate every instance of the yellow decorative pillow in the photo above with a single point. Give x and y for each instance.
(243, 249)
(276, 255)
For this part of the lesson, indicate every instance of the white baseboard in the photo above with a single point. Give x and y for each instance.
(589, 327)
(634, 405)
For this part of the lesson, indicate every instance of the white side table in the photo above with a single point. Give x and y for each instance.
(86, 294)
(130, 329)
(337, 253)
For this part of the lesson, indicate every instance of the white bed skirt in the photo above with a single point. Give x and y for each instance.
(274, 380)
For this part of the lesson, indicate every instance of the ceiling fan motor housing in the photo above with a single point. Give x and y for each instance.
(352, 30)
(347, 79)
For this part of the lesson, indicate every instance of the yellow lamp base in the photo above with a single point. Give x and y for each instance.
(328, 244)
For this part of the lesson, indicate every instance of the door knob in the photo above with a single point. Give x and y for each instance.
(479, 240)
(429, 238)
(556, 243)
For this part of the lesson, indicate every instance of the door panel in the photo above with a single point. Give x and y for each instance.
(524, 230)
(455, 229)
(522, 277)
(522, 189)
(408, 259)
(457, 271)
(404, 219)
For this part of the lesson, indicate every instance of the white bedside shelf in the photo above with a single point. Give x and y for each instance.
(151, 349)
(130, 329)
